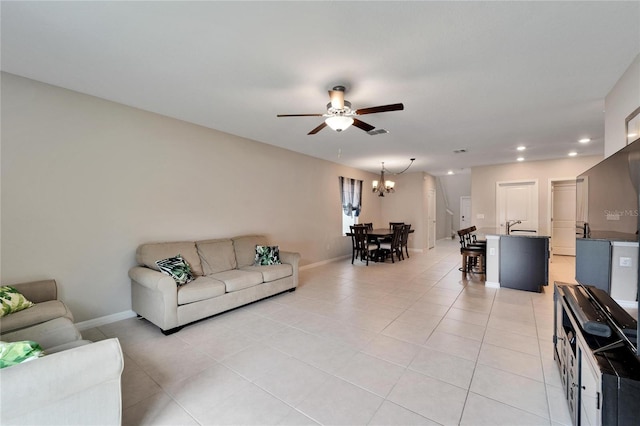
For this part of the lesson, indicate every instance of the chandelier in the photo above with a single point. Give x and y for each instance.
(384, 186)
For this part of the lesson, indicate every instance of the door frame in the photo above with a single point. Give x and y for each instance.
(516, 181)
(550, 206)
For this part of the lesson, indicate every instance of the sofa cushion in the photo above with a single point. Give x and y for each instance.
(216, 255)
(12, 353)
(235, 280)
(267, 255)
(200, 289)
(37, 314)
(148, 254)
(12, 301)
(177, 268)
(245, 248)
(271, 272)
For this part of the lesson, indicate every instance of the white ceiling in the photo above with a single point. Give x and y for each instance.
(480, 76)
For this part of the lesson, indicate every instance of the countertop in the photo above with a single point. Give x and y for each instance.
(502, 232)
(609, 236)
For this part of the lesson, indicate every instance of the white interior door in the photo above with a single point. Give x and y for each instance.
(563, 217)
(431, 219)
(517, 200)
(465, 212)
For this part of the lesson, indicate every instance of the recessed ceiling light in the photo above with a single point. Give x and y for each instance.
(450, 172)
(520, 158)
(573, 154)
(521, 148)
(585, 140)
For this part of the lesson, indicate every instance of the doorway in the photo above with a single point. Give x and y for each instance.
(517, 201)
(465, 212)
(563, 216)
(431, 218)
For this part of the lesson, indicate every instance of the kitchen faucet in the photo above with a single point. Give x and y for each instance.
(510, 223)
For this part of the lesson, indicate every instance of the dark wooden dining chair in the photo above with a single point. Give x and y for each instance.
(391, 224)
(361, 245)
(404, 240)
(393, 247)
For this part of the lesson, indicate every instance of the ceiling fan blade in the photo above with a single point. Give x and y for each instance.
(317, 129)
(299, 115)
(337, 98)
(362, 125)
(382, 108)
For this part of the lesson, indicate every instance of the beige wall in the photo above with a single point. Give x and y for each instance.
(85, 181)
(483, 185)
(409, 205)
(454, 186)
(621, 101)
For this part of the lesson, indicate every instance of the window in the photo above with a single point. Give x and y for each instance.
(350, 202)
(348, 221)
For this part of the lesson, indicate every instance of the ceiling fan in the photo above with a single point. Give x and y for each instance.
(340, 116)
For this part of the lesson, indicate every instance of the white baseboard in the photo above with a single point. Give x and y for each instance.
(108, 319)
(323, 262)
(491, 284)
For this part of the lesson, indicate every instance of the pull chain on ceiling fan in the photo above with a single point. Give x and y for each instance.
(340, 116)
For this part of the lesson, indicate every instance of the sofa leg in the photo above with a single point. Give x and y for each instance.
(171, 331)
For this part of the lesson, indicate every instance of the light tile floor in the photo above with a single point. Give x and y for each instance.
(405, 343)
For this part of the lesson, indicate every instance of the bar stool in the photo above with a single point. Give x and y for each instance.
(473, 256)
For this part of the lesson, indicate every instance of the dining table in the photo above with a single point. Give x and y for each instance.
(380, 233)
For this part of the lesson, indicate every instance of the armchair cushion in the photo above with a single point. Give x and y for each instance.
(12, 300)
(37, 314)
(48, 334)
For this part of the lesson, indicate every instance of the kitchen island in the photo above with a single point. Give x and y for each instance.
(519, 260)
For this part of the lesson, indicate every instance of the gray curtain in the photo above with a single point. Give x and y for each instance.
(351, 196)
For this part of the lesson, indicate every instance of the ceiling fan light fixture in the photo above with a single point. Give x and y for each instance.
(339, 122)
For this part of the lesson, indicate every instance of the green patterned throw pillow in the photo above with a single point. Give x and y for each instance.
(267, 255)
(177, 268)
(12, 300)
(12, 353)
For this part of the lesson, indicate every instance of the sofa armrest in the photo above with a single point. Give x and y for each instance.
(154, 296)
(153, 280)
(38, 291)
(292, 258)
(79, 386)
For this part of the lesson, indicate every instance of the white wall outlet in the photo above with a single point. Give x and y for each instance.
(492, 251)
(625, 262)
(480, 216)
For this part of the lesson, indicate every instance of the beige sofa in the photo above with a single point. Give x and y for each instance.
(225, 274)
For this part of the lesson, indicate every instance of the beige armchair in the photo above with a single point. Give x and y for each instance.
(49, 322)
